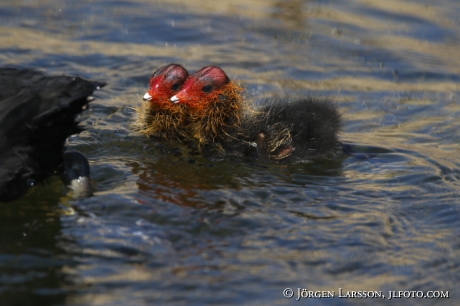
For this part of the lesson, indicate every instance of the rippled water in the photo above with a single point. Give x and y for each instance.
(169, 227)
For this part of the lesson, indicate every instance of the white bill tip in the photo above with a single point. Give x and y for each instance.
(147, 97)
(174, 99)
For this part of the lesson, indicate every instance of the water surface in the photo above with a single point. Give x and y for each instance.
(170, 227)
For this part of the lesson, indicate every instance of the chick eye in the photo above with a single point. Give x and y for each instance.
(207, 88)
(175, 86)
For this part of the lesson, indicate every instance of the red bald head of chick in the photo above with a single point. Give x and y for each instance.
(213, 104)
(158, 117)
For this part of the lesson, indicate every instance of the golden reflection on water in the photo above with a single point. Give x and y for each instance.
(394, 37)
(364, 23)
(347, 24)
(353, 50)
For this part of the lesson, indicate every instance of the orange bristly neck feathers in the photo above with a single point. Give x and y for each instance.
(216, 116)
(160, 119)
(161, 101)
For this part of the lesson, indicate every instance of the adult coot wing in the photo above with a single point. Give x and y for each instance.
(37, 114)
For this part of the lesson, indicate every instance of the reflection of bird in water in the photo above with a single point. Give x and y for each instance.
(76, 174)
(292, 128)
(37, 114)
(157, 116)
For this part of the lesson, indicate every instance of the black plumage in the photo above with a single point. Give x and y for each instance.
(37, 114)
(288, 129)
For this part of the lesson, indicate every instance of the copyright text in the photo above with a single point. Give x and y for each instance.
(301, 293)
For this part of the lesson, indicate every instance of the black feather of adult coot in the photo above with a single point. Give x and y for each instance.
(37, 114)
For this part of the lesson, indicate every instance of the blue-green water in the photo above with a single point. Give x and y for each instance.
(169, 227)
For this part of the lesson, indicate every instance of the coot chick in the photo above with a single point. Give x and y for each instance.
(37, 114)
(214, 106)
(290, 129)
(282, 129)
(157, 116)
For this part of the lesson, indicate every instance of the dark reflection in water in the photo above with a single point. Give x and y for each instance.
(190, 180)
(31, 262)
(167, 226)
